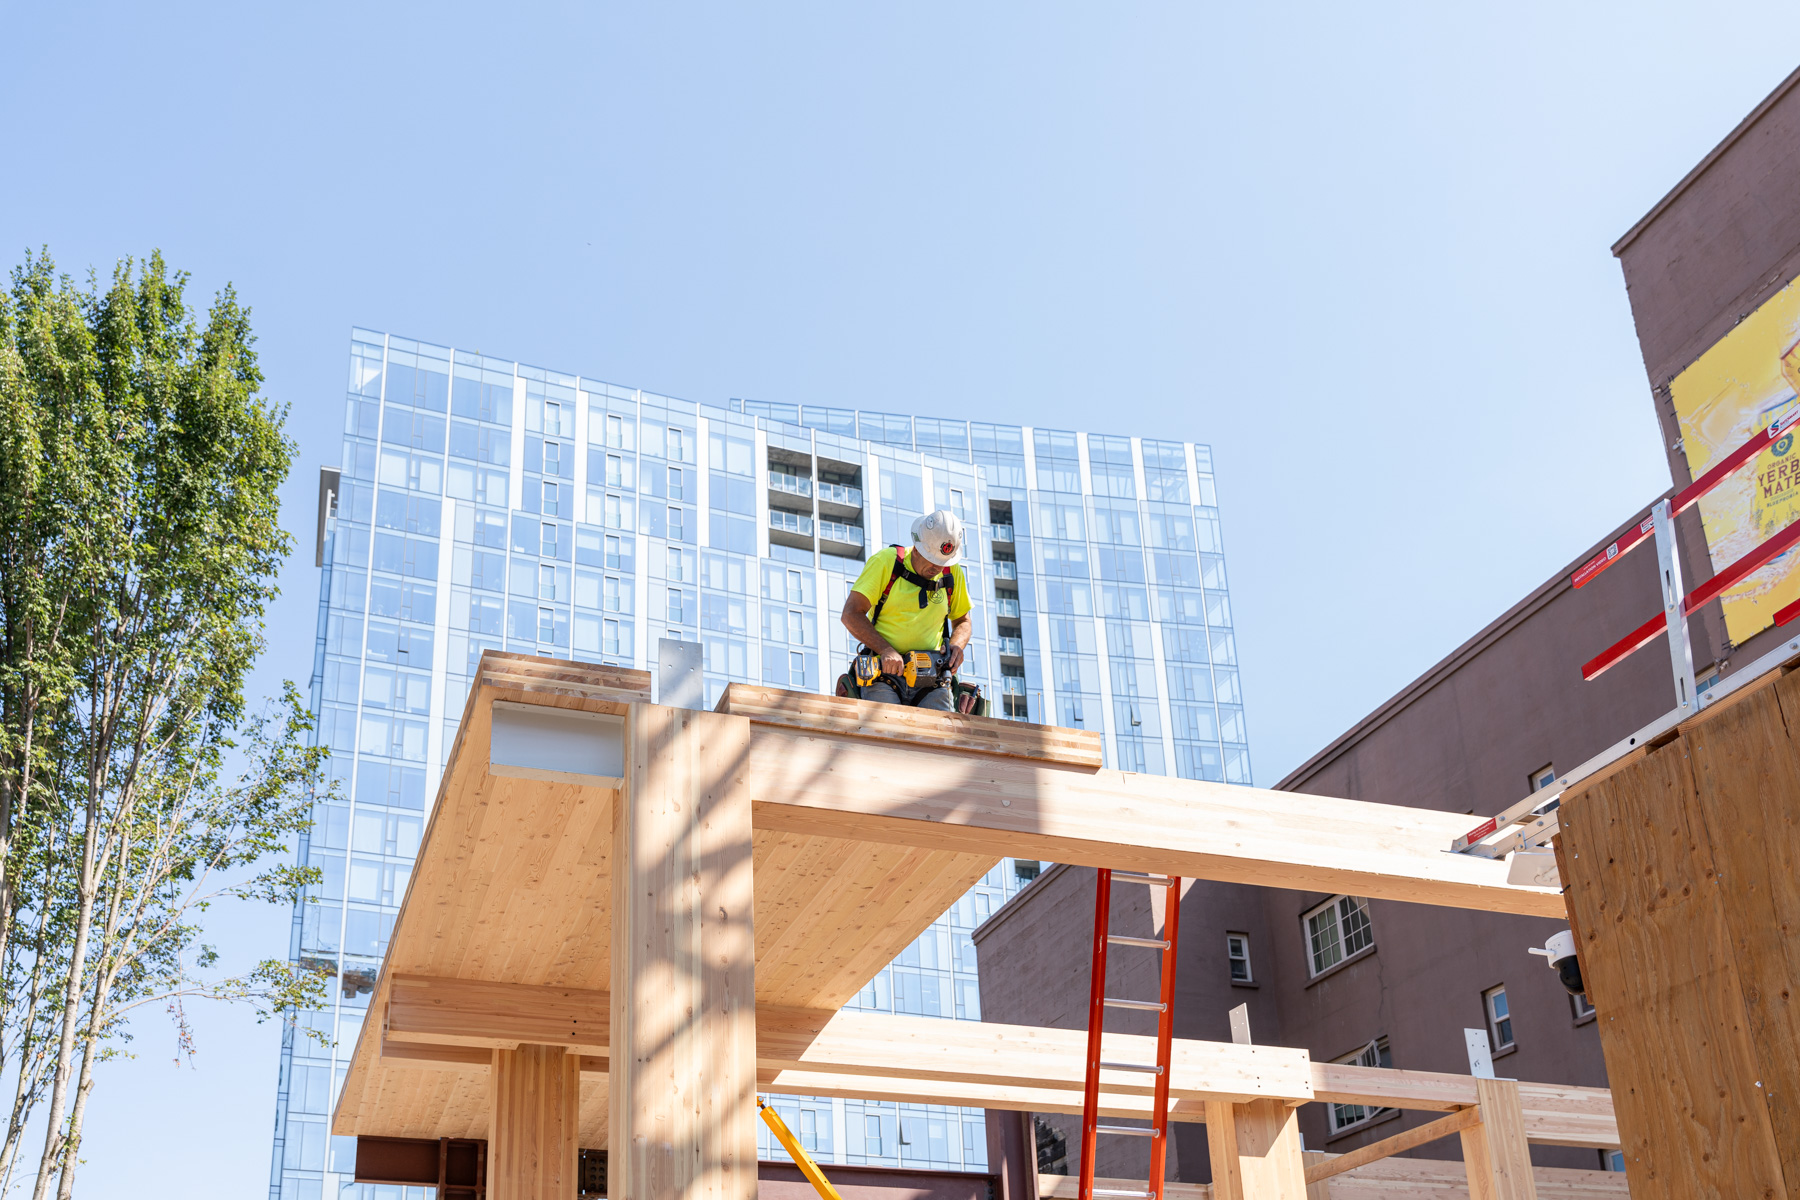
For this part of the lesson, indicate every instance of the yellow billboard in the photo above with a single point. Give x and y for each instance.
(1749, 377)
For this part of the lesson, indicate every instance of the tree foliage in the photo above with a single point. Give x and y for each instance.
(139, 546)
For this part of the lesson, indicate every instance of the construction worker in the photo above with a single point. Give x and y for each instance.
(914, 599)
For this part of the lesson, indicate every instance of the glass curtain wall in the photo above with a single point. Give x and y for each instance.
(489, 504)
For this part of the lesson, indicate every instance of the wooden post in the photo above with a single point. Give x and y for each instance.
(1495, 1153)
(533, 1124)
(1255, 1151)
(682, 1080)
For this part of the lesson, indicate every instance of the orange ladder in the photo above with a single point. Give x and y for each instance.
(1098, 1003)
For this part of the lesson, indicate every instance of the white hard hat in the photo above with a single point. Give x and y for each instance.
(939, 537)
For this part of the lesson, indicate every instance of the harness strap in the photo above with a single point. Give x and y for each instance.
(926, 586)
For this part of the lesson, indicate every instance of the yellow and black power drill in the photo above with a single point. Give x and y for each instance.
(920, 664)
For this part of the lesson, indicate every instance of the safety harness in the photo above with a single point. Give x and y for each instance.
(965, 698)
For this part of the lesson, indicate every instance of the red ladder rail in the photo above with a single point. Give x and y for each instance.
(1688, 496)
(1098, 1003)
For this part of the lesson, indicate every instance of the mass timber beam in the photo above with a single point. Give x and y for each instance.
(820, 783)
(476, 1013)
(1362, 1156)
(682, 1052)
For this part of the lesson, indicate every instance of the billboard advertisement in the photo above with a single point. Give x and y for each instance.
(1748, 378)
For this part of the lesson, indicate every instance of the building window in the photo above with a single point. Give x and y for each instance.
(546, 625)
(1578, 1004)
(675, 530)
(547, 539)
(615, 470)
(615, 432)
(611, 595)
(1499, 1019)
(675, 484)
(1337, 930)
(1348, 1116)
(612, 551)
(609, 637)
(546, 583)
(675, 612)
(552, 458)
(552, 500)
(1543, 777)
(1237, 950)
(1612, 1160)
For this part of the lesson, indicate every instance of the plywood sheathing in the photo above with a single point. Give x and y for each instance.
(1683, 871)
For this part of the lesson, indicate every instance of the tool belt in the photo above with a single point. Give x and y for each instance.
(924, 671)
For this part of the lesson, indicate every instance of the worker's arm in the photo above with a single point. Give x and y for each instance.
(961, 630)
(856, 620)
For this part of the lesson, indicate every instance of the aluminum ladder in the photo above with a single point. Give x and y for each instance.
(1164, 1007)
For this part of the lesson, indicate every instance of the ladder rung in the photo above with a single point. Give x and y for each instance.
(1119, 939)
(1121, 1192)
(1131, 1130)
(1146, 1068)
(1141, 1005)
(1137, 877)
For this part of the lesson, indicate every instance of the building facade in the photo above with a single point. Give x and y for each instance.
(487, 504)
(1386, 983)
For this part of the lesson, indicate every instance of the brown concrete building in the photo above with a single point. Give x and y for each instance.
(1471, 735)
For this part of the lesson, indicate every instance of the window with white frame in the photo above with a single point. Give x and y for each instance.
(1237, 950)
(546, 582)
(547, 539)
(1612, 1160)
(1543, 777)
(1338, 930)
(1578, 1004)
(1349, 1116)
(546, 625)
(552, 500)
(1499, 1019)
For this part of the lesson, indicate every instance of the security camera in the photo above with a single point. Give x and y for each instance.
(1560, 950)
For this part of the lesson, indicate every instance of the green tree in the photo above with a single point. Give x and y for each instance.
(139, 545)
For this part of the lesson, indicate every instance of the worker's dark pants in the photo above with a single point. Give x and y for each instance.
(883, 692)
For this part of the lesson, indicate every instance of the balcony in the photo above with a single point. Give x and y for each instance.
(798, 524)
(1002, 533)
(1012, 685)
(839, 493)
(833, 531)
(793, 485)
(1012, 647)
(1006, 607)
(1006, 570)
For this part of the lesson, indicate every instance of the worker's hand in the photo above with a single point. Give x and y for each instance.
(892, 663)
(953, 659)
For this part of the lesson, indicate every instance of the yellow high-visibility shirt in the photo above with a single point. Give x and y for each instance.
(905, 625)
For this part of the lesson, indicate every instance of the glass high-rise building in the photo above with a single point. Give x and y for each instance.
(487, 504)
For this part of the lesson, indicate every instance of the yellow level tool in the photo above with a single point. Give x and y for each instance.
(802, 1159)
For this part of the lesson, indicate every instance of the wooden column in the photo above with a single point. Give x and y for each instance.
(682, 1082)
(1495, 1153)
(1255, 1150)
(533, 1124)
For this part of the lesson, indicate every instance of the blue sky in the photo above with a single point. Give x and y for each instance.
(1362, 252)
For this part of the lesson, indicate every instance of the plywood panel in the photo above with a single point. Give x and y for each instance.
(1747, 778)
(1657, 963)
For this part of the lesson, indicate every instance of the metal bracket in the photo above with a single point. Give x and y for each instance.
(1668, 564)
